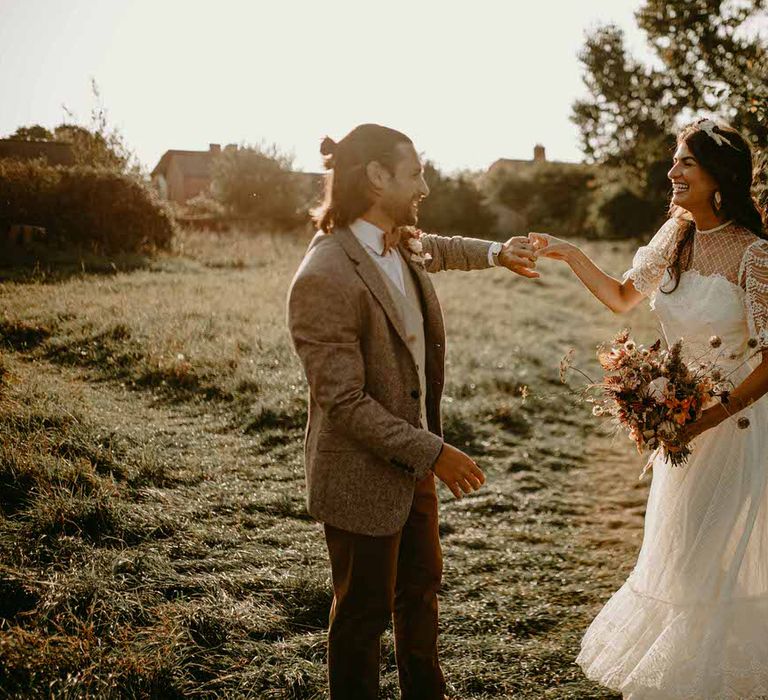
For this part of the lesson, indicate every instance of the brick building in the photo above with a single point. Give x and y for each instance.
(181, 175)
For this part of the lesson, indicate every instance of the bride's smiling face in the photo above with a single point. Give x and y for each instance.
(692, 186)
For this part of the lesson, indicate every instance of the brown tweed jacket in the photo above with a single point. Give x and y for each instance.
(363, 450)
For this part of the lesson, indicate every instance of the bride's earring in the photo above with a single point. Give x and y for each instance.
(718, 201)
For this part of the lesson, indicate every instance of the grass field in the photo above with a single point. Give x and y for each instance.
(154, 540)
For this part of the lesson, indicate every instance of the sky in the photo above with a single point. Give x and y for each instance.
(469, 82)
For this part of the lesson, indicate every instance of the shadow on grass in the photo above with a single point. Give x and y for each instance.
(40, 265)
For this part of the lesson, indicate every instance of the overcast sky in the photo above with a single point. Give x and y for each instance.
(468, 81)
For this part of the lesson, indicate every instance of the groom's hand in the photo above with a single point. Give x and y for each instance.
(519, 256)
(458, 471)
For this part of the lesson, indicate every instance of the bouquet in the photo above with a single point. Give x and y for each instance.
(652, 394)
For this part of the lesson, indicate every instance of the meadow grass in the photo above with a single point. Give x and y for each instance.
(153, 536)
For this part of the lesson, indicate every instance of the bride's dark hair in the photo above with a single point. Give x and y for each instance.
(730, 164)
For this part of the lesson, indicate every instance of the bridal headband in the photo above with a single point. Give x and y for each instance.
(708, 127)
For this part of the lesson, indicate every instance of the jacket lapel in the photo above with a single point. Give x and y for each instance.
(371, 276)
(433, 314)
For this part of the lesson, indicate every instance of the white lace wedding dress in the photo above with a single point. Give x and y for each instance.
(691, 621)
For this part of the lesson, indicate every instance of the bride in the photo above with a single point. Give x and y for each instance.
(691, 621)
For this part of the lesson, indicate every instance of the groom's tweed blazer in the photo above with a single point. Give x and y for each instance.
(363, 450)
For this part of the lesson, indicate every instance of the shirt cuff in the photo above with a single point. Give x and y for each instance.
(491, 260)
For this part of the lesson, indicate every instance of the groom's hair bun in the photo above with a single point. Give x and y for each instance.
(328, 148)
(347, 188)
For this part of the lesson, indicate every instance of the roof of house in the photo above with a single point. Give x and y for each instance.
(54, 152)
(192, 163)
(517, 162)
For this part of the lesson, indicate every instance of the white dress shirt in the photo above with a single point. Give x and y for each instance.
(372, 239)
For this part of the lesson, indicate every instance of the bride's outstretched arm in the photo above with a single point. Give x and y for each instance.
(618, 296)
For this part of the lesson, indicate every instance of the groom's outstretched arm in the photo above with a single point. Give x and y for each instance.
(463, 253)
(325, 328)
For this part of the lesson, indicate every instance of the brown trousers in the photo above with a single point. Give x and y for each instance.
(374, 578)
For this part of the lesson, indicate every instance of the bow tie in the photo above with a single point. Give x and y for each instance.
(391, 239)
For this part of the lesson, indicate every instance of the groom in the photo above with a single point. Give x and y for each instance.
(368, 328)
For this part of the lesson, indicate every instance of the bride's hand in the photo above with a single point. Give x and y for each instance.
(547, 246)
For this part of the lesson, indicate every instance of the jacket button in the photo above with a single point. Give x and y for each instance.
(415, 394)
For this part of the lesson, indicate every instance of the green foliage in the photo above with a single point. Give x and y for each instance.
(98, 145)
(95, 148)
(203, 205)
(100, 211)
(455, 205)
(257, 183)
(706, 61)
(618, 209)
(711, 58)
(34, 132)
(550, 196)
(155, 549)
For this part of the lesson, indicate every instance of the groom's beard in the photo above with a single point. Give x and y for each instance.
(402, 213)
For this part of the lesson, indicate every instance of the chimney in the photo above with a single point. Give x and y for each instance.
(539, 153)
(214, 148)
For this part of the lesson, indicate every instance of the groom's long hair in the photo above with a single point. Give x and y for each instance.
(348, 191)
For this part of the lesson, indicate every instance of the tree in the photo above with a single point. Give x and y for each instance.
(97, 148)
(708, 62)
(455, 205)
(257, 182)
(34, 132)
(549, 196)
(98, 145)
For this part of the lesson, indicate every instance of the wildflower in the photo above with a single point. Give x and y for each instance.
(630, 345)
(411, 237)
(667, 429)
(415, 245)
(657, 389)
(743, 422)
(622, 337)
(597, 411)
(565, 363)
(715, 341)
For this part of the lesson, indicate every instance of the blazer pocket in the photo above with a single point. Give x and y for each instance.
(333, 441)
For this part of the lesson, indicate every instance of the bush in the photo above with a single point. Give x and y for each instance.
(257, 183)
(617, 210)
(203, 206)
(455, 206)
(549, 196)
(84, 208)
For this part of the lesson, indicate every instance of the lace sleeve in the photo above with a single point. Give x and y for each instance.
(755, 276)
(652, 260)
